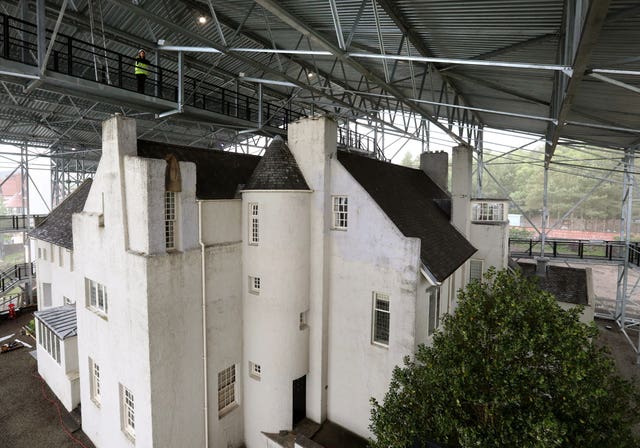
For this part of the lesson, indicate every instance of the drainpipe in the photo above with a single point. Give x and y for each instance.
(204, 328)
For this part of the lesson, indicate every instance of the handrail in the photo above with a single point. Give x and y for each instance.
(78, 58)
(15, 274)
(582, 249)
(81, 59)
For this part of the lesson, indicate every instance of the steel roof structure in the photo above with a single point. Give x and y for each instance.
(226, 73)
(562, 69)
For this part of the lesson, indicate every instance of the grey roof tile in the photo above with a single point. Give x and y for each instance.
(413, 202)
(277, 170)
(56, 227)
(218, 173)
(61, 320)
(566, 284)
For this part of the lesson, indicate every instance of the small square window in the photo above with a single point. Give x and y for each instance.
(340, 212)
(254, 285)
(381, 319)
(255, 371)
(303, 320)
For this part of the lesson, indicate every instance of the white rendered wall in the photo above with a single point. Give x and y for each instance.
(59, 272)
(153, 300)
(272, 335)
(370, 256)
(492, 242)
(312, 142)
(224, 333)
(61, 378)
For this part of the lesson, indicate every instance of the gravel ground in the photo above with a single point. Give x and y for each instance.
(27, 419)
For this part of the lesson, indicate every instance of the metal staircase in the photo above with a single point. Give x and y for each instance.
(23, 275)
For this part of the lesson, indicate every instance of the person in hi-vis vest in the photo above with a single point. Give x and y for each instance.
(141, 71)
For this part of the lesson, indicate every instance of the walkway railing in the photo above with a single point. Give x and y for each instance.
(580, 249)
(19, 222)
(15, 275)
(80, 59)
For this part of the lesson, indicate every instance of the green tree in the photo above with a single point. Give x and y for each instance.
(410, 161)
(510, 369)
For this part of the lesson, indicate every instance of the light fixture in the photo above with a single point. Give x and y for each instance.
(202, 20)
(311, 75)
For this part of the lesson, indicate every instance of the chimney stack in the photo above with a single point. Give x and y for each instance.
(436, 166)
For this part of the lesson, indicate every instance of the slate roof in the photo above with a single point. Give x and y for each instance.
(219, 173)
(61, 320)
(277, 170)
(56, 227)
(566, 284)
(410, 199)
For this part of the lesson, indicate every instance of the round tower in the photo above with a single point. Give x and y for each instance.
(275, 295)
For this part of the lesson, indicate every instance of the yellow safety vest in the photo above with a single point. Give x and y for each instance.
(141, 68)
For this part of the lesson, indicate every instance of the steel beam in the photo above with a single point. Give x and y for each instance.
(585, 33)
(284, 15)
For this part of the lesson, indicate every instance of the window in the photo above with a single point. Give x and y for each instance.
(49, 341)
(340, 212)
(381, 316)
(97, 297)
(475, 270)
(127, 409)
(254, 223)
(170, 219)
(488, 211)
(39, 253)
(433, 319)
(94, 375)
(254, 285)
(255, 371)
(226, 390)
(60, 257)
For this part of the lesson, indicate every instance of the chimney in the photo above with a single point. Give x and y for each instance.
(461, 160)
(436, 166)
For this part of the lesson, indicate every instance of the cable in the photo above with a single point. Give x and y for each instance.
(55, 403)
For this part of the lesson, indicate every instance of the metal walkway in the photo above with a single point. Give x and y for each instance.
(19, 223)
(606, 251)
(77, 67)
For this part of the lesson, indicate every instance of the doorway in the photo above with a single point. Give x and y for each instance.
(299, 400)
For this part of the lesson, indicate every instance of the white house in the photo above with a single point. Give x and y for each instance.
(221, 297)
(56, 328)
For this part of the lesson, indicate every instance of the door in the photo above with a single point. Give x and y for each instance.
(299, 400)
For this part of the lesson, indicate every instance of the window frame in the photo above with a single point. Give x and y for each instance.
(255, 370)
(255, 285)
(254, 223)
(433, 311)
(170, 220)
(94, 382)
(127, 412)
(49, 341)
(227, 388)
(376, 314)
(96, 293)
(339, 212)
(471, 269)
